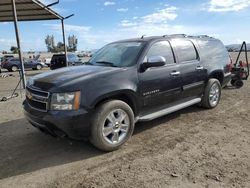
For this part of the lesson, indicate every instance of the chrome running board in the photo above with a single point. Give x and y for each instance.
(169, 110)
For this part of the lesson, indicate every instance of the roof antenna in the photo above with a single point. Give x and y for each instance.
(142, 37)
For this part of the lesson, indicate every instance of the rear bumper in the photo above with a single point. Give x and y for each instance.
(72, 124)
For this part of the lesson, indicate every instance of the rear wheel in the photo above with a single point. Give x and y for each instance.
(14, 68)
(212, 94)
(38, 67)
(112, 125)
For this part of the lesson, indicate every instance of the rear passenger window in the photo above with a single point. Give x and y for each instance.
(162, 48)
(186, 50)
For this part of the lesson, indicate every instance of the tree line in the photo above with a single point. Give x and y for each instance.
(53, 47)
(59, 47)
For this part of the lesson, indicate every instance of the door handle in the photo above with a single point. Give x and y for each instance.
(199, 68)
(175, 73)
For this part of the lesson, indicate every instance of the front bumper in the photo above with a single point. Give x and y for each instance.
(72, 124)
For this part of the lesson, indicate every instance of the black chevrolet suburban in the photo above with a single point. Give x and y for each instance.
(126, 82)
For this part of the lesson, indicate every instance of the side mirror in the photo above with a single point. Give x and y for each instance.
(154, 61)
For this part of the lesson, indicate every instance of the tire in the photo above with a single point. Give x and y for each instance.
(38, 67)
(232, 82)
(212, 94)
(238, 84)
(14, 68)
(115, 135)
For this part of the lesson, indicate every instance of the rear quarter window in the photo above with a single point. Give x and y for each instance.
(212, 50)
(185, 50)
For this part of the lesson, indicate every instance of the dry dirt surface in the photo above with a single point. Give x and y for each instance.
(190, 148)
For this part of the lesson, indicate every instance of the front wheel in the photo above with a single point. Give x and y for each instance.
(212, 94)
(112, 125)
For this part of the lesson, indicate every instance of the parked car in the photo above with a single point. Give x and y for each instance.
(59, 61)
(126, 82)
(5, 58)
(14, 64)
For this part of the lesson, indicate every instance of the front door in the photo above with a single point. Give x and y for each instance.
(28, 64)
(160, 86)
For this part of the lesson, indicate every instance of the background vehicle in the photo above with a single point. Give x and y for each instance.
(5, 58)
(14, 64)
(59, 61)
(47, 61)
(125, 82)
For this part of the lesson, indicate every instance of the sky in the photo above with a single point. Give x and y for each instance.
(98, 22)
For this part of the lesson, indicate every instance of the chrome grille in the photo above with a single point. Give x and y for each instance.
(37, 99)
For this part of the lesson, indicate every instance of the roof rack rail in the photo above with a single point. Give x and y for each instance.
(201, 36)
(175, 35)
(204, 36)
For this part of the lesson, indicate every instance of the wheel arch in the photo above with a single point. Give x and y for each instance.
(217, 74)
(126, 96)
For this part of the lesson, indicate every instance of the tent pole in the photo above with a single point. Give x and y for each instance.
(64, 42)
(18, 43)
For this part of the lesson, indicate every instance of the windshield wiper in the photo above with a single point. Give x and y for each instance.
(106, 63)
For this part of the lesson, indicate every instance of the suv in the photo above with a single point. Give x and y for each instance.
(59, 61)
(13, 64)
(126, 82)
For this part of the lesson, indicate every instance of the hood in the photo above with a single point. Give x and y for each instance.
(69, 76)
(37, 57)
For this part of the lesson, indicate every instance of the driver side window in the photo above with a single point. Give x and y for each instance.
(164, 49)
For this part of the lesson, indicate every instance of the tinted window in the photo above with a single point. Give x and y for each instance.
(162, 48)
(58, 59)
(212, 50)
(185, 49)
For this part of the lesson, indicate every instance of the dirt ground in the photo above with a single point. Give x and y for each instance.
(190, 148)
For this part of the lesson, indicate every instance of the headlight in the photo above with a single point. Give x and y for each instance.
(65, 101)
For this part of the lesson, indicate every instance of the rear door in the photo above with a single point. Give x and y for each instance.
(160, 86)
(193, 73)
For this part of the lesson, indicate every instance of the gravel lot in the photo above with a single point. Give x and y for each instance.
(190, 148)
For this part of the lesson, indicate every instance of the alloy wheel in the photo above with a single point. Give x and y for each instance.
(116, 126)
(214, 94)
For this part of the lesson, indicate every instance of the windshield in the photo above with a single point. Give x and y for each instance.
(123, 54)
